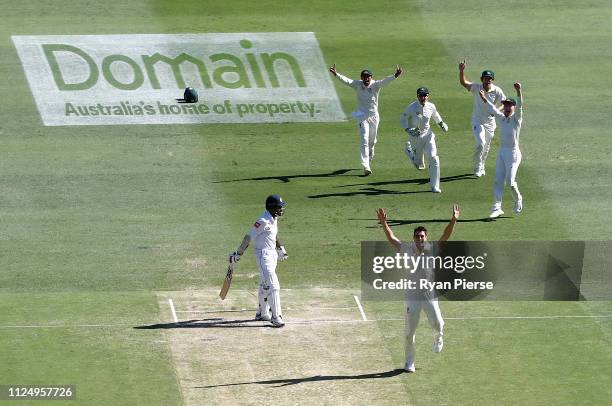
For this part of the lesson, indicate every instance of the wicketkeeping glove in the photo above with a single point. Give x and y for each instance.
(443, 126)
(413, 131)
(282, 253)
(234, 257)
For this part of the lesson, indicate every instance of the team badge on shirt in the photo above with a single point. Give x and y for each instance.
(257, 224)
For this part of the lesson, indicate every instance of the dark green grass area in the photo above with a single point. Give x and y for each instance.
(87, 340)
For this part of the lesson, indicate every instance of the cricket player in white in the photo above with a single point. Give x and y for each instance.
(422, 140)
(483, 122)
(268, 250)
(419, 300)
(366, 114)
(509, 155)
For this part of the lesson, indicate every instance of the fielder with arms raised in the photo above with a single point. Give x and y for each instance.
(268, 250)
(483, 123)
(419, 300)
(509, 156)
(366, 114)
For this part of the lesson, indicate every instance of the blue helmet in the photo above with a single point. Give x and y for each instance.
(275, 205)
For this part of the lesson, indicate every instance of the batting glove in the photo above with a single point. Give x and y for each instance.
(234, 257)
(282, 253)
(443, 126)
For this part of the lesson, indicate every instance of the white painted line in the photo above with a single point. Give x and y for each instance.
(173, 310)
(216, 311)
(527, 317)
(322, 321)
(513, 317)
(254, 309)
(360, 308)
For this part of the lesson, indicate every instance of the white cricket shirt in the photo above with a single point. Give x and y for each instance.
(417, 116)
(509, 127)
(367, 97)
(264, 232)
(481, 114)
(424, 271)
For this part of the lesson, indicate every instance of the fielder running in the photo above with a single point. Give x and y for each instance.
(509, 155)
(422, 140)
(366, 114)
(268, 250)
(483, 123)
(419, 300)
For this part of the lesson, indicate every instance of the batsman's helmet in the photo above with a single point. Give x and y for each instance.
(190, 96)
(275, 205)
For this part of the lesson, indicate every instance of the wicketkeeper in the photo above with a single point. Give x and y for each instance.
(422, 140)
(268, 250)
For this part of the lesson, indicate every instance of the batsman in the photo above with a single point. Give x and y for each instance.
(268, 250)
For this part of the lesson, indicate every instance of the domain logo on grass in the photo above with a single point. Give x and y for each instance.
(136, 79)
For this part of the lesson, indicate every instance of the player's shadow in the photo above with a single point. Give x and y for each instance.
(421, 181)
(397, 222)
(287, 178)
(368, 191)
(206, 323)
(279, 383)
(372, 190)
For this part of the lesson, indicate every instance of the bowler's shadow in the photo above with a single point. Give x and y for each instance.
(206, 323)
(287, 178)
(279, 383)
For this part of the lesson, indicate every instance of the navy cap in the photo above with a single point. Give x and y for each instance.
(422, 90)
(366, 72)
(509, 100)
(488, 73)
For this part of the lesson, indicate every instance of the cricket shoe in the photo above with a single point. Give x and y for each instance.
(436, 190)
(409, 367)
(277, 322)
(496, 213)
(367, 172)
(438, 344)
(479, 173)
(518, 206)
(259, 317)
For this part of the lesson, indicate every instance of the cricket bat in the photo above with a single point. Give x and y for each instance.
(227, 282)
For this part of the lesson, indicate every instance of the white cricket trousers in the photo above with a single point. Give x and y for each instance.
(426, 145)
(483, 133)
(368, 128)
(413, 315)
(508, 161)
(269, 288)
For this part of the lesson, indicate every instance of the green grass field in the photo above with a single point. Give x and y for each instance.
(101, 225)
